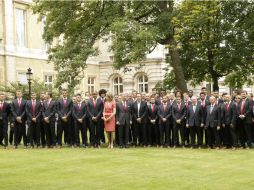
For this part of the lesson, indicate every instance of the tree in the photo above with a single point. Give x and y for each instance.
(216, 40)
(137, 27)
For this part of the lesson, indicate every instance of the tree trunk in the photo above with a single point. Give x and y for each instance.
(177, 67)
(215, 83)
(212, 72)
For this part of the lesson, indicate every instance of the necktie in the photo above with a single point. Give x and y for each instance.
(194, 108)
(48, 103)
(242, 106)
(203, 104)
(19, 103)
(211, 109)
(153, 108)
(186, 104)
(79, 106)
(65, 102)
(227, 107)
(165, 107)
(94, 103)
(33, 107)
(124, 106)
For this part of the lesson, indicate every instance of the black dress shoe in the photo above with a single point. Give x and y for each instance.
(121, 146)
(126, 146)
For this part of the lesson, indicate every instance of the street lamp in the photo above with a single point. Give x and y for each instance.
(29, 75)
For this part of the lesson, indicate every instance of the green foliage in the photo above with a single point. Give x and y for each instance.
(216, 40)
(36, 87)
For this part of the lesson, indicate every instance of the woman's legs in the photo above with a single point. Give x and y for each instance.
(112, 138)
(109, 139)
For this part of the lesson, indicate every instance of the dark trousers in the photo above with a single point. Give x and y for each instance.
(19, 133)
(11, 134)
(137, 133)
(144, 128)
(164, 133)
(4, 131)
(153, 134)
(233, 134)
(171, 132)
(50, 133)
(245, 133)
(225, 135)
(212, 134)
(34, 133)
(66, 128)
(196, 131)
(123, 133)
(42, 134)
(182, 133)
(95, 131)
(80, 127)
(102, 134)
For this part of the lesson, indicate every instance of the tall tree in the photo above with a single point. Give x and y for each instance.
(138, 26)
(216, 40)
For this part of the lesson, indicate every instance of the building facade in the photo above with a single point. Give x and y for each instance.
(22, 47)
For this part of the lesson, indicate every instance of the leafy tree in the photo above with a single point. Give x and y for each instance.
(73, 27)
(216, 40)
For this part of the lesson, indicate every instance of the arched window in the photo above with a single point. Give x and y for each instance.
(117, 85)
(143, 83)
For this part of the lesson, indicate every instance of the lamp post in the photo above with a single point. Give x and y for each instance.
(29, 75)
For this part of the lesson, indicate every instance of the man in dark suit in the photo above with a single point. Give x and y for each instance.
(95, 109)
(153, 129)
(164, 113)
(227, 122)
(48, 113)
(79, 112)
(41, 123)
(187, 102)
(245, 115)
(102, 94)
(204, 103)
(123, 120)
(64, 106)
(179, 114)
(18, 108)
(139, 109)
(4, 114)
(195, 121)
(218, 99)
(204, 90)
(213, 122)
(33, 112)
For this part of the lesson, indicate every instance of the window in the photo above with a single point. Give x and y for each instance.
(143, 83)
(22, 78)
(20, 27)
(117, 85)
(48, 80)
(91, 84)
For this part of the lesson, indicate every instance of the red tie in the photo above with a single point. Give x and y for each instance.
(19, 103)
(65, 102)
(203, 104)
(33, 107)
(227, 107)
(153, 108)
(79, 106)
(124, 106)
(186, 104)
(94, 103)
(242, 106)
(179, 106)
(165, 107)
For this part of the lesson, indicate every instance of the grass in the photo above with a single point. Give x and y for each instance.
(134, 168)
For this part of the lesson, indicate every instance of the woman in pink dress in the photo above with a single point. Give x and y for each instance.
(109, 118)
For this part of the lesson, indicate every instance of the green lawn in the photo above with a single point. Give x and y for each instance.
(134, 168)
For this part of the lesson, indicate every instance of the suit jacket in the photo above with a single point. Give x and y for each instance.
(29, 110)
(95, 111)
(179, 114)
(142, 111)
(247, 111)
(49, 110)
(121, 115)
(164, 114)
(64, 110)
(79, 113)
(194, 118)
(213, 119)
(227, 115)
(153, 114)
(18, 112)
(5, 112)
